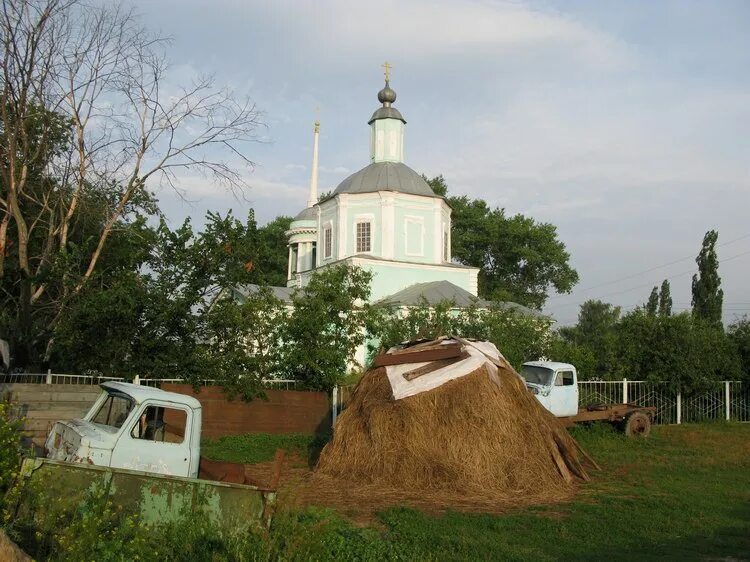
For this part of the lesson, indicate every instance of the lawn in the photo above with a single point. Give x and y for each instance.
(681, 494)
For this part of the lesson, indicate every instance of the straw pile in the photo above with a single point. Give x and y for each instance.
(481, 436)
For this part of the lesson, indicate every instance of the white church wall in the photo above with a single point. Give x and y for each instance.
(363, 208)
(390, 277)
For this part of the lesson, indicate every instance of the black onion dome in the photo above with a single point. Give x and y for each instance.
(386, 95)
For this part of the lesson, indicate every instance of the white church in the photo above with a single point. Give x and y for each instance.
(384, 218)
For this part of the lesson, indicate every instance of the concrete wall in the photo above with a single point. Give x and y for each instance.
(43, 404)
(285, 411)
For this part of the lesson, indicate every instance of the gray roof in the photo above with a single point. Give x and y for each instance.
(386, 113)
(281, 293)
(386, 176)
(307, 214)
(435, 292)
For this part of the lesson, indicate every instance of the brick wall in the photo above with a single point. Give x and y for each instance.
(285, 411)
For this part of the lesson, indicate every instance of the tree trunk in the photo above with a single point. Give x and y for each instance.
(3, 242)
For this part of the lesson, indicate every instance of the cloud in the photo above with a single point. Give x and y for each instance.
(428, 29)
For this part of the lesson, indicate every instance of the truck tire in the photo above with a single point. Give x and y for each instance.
(637, 424)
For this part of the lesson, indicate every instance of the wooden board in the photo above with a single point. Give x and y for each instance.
(421, 355)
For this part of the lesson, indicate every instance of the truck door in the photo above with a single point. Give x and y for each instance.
(157, 440)
(564, 395)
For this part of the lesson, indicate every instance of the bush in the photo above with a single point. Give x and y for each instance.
(686, 351)
(10, 447)
(739, 335)
(519, 337)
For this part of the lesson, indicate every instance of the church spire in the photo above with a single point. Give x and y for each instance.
(312, 198)
(387, 126)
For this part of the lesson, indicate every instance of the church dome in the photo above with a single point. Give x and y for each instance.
(307, 214)
(387, 95)
(386, 176)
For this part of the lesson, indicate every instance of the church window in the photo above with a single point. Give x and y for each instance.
(295, 257)
(327, 242)
(363, 237)
(446, 254)
(414, 236)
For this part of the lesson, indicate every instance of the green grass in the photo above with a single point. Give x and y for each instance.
(681, 494)
(253, 448)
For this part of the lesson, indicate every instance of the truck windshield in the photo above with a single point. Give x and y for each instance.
(537, 375)
(114, 411)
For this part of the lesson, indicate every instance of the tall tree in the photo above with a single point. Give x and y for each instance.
(595, 332)
(272, 260)
(327, 325)
(707, 293)
(520, 259)
(652, 306)
(665, 299)
(93, 76)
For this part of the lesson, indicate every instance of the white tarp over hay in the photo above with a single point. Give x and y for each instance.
(479, 353)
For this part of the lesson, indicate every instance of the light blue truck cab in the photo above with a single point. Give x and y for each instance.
(133, 427)
(554, 384)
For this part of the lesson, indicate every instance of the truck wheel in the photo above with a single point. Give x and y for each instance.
(637, 424)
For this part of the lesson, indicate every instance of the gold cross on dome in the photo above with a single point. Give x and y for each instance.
(387, 71)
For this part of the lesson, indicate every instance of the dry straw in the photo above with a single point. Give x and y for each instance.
(483, 438)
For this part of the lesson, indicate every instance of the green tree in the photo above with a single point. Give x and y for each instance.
(739, 334)
(520, 259)
(689, 352)
(665, 299)
(652, 306)
(149, 317)
(518, 336)
(243, 342)
(327, 325)
(271, 263)
(707, 293)
(82, 134)
(595, 331)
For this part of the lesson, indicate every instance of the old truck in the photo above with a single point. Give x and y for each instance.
(555, 385)
(142, 445)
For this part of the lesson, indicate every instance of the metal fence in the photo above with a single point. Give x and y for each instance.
(57, 378)
(727, 400)
(54, 378)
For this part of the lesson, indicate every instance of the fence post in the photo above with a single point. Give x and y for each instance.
(49, 376)
(679, 407)
(137, 379)
(726, 397)
(335, 401)
(624, 391)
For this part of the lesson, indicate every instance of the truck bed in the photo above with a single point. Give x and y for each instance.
(608, 412)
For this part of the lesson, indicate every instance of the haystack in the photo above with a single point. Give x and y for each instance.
(479, 435)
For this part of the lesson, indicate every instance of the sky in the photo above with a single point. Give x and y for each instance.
(625, 124)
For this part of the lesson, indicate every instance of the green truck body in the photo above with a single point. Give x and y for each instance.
(155, 498)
